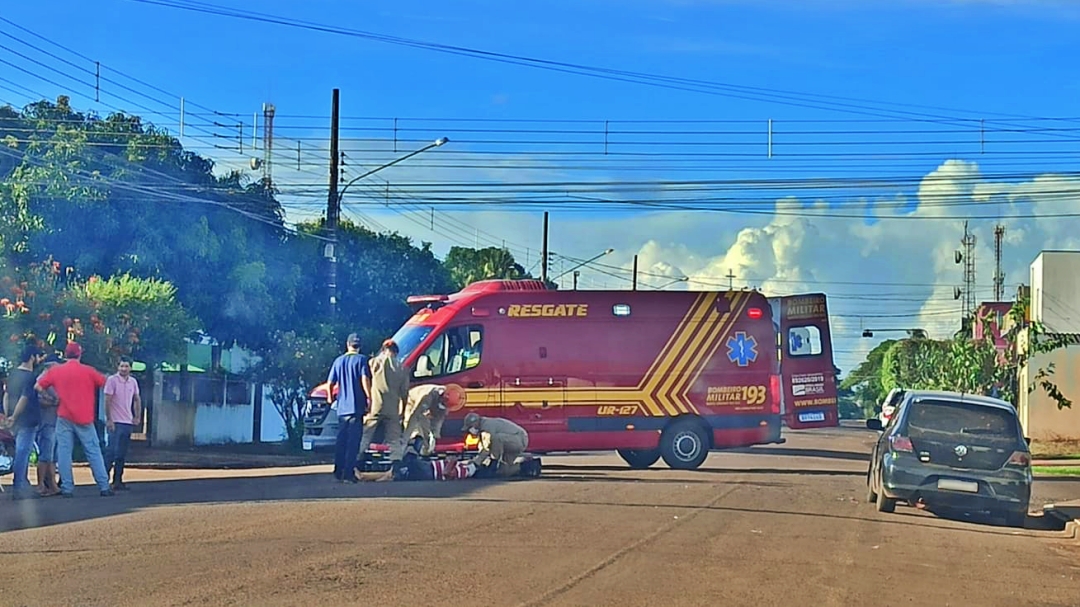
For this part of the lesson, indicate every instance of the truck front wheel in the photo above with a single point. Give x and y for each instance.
(639, 460)
(684, 445)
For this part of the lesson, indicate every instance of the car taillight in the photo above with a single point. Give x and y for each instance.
(1019, 458)
(902, 443)
(774, 388)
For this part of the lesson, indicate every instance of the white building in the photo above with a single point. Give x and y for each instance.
(1055, 291)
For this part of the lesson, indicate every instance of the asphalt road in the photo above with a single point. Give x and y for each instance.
(784, 525)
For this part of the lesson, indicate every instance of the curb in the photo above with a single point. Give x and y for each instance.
(1072, 526)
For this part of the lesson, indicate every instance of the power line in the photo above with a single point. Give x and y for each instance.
(778, 96)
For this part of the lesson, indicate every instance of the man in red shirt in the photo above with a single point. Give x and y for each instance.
(77, 387)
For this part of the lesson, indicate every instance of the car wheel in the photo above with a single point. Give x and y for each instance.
(684, 445)
(1015, 519)
(639, 459)
(885, 504)
(871, 496)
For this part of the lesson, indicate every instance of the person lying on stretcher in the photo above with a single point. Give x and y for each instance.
(414, 468)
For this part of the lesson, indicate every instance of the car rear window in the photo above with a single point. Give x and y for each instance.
(953, 417)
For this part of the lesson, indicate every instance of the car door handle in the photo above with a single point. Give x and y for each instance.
(475, 384)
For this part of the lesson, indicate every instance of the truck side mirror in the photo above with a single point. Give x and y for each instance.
(874, 424)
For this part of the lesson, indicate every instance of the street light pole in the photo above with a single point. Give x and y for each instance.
(333, 208)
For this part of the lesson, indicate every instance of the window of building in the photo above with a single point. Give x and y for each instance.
(804, 341)
(457, 349)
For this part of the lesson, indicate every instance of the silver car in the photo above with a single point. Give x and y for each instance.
(952, 451)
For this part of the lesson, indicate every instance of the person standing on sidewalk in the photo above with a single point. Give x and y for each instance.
(77, 386)
(23, 417)
(46, 437)
(351, 375)
(123, 411)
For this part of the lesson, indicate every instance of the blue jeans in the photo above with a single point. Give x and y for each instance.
(66, 433)
(116, 451)
(24, 444)
(46, 442)
(348, 445)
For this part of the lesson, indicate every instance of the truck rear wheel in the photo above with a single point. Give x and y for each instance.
(684, 445)
(639, 459)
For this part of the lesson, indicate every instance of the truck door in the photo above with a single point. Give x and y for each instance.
(456, 358)
(807, 370)
(536, 402)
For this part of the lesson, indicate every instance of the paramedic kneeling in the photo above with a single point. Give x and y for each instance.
(501, 442)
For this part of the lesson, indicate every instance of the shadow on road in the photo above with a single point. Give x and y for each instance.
(596, 478)
(795, 452)
(88, 505)
(781, 471)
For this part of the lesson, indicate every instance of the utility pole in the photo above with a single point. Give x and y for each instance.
(634, 286)
(333, 206)
(730, 280)
(999, 276)
(576, 274)
(544, 253)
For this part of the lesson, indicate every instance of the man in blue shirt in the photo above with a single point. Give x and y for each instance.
(351, 376)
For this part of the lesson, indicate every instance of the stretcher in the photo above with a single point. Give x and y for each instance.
(377, 459)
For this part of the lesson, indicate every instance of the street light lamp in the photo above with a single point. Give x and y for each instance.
(585, 263)
(441, 141)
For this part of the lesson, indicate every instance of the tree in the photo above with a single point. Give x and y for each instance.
(375, 275)
(864, 383)
(296, 363)
(157, 211)
(110, 318)
(467, 266)
(976, 366)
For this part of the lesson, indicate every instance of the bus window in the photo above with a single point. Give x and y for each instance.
(455, 350)
(804, 341)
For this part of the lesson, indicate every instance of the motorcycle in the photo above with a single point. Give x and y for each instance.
(7, 454)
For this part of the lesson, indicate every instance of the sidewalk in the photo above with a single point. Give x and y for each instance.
(224, 457)
(1069, 513)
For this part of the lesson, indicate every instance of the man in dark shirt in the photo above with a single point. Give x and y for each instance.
(351, 376)
(24, 416)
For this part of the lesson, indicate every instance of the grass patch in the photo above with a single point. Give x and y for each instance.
(1056, 470)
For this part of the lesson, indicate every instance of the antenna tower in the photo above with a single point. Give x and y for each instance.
(966, 256)
(268, 143)
(999, 276)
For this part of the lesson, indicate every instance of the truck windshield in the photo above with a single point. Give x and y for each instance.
(409, 337)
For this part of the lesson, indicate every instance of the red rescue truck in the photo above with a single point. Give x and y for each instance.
(663, 374)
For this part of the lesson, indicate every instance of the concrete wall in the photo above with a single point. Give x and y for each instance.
(174, 424)
(217, 424)
(180, 424)
(1055, 291)
(1039, 414)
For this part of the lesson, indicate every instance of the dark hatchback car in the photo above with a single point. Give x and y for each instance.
(948, 450)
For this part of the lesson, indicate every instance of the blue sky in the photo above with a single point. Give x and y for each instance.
(974, 59)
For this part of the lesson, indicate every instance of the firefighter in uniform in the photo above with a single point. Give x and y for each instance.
(501, 442)
(425, 413)
(389, 390)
